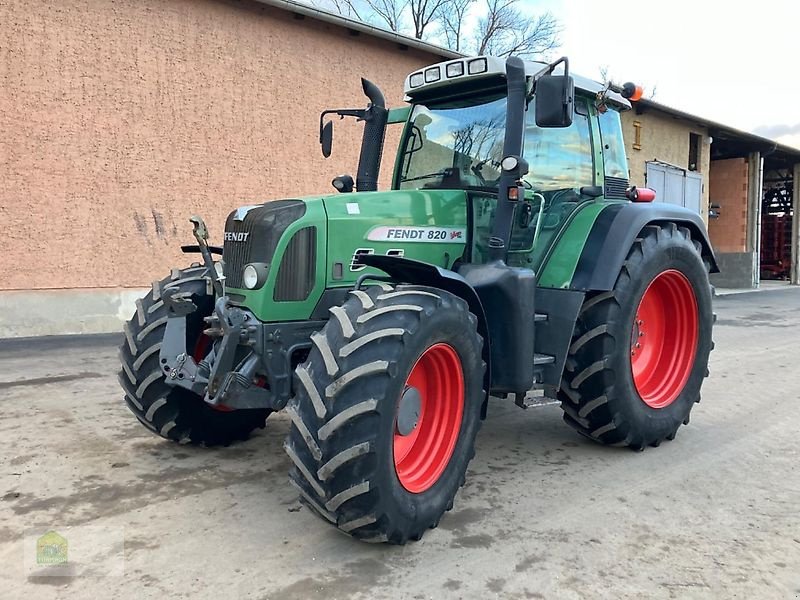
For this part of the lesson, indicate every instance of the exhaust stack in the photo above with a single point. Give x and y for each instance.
(375, 117)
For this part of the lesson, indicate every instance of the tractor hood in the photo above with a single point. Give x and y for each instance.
(299, 248)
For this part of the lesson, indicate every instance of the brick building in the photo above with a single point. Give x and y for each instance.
(732, 178)
(121, 119)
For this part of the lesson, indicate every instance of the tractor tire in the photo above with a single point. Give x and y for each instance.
(176, 413)
(639, 352)
(386, 412)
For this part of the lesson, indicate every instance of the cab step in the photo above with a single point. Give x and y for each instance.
(533, 398)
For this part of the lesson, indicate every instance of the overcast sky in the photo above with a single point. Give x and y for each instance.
(733, 62)
(737, 63)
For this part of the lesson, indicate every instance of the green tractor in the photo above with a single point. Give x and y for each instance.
(510, 255)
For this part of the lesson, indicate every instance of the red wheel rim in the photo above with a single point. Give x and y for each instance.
(201, 347)
(420, 457)
(664, 339)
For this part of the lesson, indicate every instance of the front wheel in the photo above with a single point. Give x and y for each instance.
(176, 413)
(386, 412)
(640, 351)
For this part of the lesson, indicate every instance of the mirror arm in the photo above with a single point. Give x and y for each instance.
(358, 113)
(547, 71)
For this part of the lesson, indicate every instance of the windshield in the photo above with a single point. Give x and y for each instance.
(455, 145)
(459, 145)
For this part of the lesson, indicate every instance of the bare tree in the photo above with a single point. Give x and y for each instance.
(346, 8)
(506, 30)
(424, 13)
(452, 22)
(391, 11)
(395, 15)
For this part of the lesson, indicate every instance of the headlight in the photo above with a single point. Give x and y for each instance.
(255, 275)
(433, 74)
(250, 277)
(455, 69)
(416, 80)
(509, 163)
(219, 267)
(477, 66)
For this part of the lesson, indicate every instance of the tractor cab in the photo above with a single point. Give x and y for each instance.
(454, 139)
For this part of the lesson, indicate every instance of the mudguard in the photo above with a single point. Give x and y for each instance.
(613, 234)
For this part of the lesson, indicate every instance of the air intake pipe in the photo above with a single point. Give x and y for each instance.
(375, 117)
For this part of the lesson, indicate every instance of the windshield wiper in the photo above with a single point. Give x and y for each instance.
(443, 173)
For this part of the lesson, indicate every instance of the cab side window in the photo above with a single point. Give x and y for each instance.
(559, 158)
(615, 162)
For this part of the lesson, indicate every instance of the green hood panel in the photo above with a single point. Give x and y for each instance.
(427, 225)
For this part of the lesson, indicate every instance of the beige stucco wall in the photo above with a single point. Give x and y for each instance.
(666, 139)
(118, 120)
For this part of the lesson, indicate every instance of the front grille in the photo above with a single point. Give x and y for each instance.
(259, 231)
(615, 187)
(298, 267)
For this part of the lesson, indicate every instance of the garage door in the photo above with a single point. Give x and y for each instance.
(675, 186)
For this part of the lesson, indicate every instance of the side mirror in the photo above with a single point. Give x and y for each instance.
(592, 191)
(555, 101)
(326, 138)
(343, 184)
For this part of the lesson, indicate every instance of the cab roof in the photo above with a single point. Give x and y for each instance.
(459, 71)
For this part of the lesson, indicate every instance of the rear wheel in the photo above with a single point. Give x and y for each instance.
(386, 412)
(640, 351)
(176, 413)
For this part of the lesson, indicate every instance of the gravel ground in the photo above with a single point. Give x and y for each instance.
(544, 513)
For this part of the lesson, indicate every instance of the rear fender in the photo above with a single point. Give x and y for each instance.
(614, 232)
